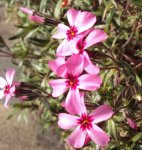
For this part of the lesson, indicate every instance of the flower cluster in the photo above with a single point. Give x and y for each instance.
(76, 74)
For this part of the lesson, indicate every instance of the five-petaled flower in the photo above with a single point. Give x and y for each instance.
(71, 72)
(7, 86)
(86, 128)
(79, 25)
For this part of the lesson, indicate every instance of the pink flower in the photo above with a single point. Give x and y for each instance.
(32, 16)
(79, 46)
(132, 123)
(73, 80)
(7, 87)
(85, 125)
(79, 22)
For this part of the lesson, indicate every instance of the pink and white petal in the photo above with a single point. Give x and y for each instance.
(62, 71)
(10, 75)
(37, 19)
(98, 136)
(77, 138)
(1, 94)
(86, 21)
(89, 66)
(12, 90)
(102, 113)
(73, 103)
(73, 47)
(61, 33)
(72, 16)
(83, 109)
(64, 49)
(89, 82)
(67, 121)
(26, 10)
(59, 87)
(7, 100)
(75, 64)
(94, 37)
(3, 83)
(54, 64)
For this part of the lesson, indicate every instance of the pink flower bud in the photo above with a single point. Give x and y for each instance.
(132, 123)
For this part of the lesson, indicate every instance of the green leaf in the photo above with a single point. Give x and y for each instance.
(112, 129)
(138, 80)
(57, 10)
(38, 42)
(128, 71)
(108, 76)
(137, 137)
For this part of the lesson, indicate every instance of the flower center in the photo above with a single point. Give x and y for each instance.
(7, 89)
(72, 81)
(71, 33)
(85, 121)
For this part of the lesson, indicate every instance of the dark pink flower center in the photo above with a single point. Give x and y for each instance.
(85, 121)
(7, 89)
(80, 45)
(72, 81)
(71, 33)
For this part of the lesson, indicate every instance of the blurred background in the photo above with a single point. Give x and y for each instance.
(17, 133)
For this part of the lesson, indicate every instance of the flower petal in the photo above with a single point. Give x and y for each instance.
(3, 83)
(1, 94)
(77, 138)
(61, 33)
(37, 19)
(67, 121)
(10, 75)
(89, 82)
(86, 21)
(64, 49)
(94, 37)
(102, 113)
(12, 90)
(72, 16)
(132, 123)
(57, 66)
(7, 100)
(73, 102)
(75, 64)
(59, 87)
(83, 109)
(26, 10)
(62, 71)
(98, 136)
(89, 66)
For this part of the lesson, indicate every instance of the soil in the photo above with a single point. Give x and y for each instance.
(16, 135)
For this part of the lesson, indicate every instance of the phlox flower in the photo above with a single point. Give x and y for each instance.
(79, 24)
(85, 126)
(7, 87)
(72, 79)
(32, 16)
(79, 47)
